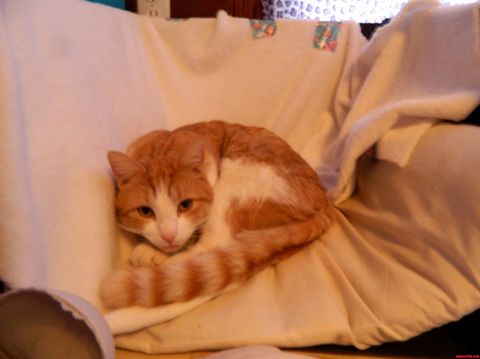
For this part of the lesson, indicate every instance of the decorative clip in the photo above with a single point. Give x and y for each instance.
(263, 28)
(326, 36)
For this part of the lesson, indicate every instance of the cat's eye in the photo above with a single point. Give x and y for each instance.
(185, 205)
(145, 211)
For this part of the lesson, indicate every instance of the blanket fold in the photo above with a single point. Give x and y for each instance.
(420, 68)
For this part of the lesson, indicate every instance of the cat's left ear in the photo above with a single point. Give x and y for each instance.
(197, 156)
(193, 155)
(123, 167)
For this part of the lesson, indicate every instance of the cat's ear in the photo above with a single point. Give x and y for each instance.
(123, 167)
(193, 155)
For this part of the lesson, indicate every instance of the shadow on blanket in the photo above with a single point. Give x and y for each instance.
(445, 342)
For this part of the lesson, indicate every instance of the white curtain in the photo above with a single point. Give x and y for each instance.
(363, 11)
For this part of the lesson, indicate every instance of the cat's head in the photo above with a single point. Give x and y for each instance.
(164, 187)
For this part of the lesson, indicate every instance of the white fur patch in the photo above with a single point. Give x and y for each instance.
(246, 181)
(211, 170)
(242, 181)
(167, 221)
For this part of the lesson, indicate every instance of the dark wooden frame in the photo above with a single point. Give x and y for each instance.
(200, 8)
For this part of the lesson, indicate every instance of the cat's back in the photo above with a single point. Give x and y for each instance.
(251, 144)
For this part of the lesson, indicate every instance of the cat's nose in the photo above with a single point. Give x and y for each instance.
(168, 230)
(168, 237)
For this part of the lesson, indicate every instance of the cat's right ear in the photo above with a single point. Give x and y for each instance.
(123, 167)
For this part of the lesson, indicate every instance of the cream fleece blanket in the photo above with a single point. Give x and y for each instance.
(93, 79)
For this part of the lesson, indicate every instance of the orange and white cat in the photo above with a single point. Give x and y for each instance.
(218, 202)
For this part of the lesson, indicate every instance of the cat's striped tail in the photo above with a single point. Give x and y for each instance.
(211, 272)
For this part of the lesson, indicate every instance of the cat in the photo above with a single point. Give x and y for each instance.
(240, 192)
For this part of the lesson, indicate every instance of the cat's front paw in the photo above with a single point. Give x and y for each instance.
(145, 255)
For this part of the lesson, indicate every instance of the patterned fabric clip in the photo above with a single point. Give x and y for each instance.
(326, 35)
(263, 28)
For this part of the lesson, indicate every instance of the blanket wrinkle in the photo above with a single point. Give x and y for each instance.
(200, 46)
(354, 291)
(423, 64)
(427, 249)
